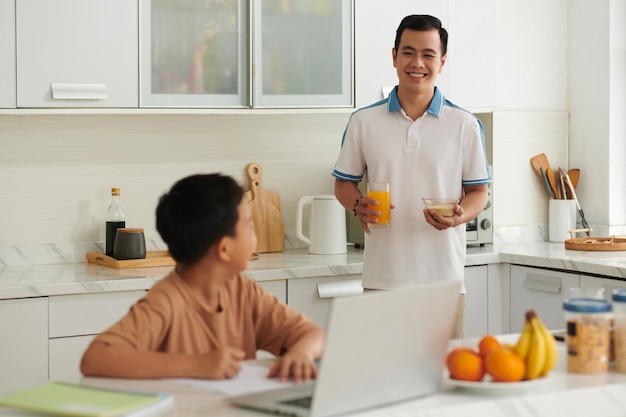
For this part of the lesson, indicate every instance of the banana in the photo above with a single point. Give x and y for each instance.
(523, 343)
(551, 349)
(537, 354)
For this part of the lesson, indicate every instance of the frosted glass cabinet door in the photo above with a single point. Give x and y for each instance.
(77, 53)
(303, 53)
(194, 53)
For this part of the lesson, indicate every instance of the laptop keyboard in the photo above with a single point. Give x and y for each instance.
(304, 402)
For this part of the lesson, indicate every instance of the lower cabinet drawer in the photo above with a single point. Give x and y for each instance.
(64, 357)
(88, 314)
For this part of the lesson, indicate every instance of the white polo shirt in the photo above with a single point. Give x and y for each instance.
(433, 156)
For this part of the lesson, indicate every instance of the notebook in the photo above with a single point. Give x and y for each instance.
(381, 347)
(57, 398)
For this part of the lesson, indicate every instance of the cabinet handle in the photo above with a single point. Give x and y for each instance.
(543, 283)
(79, 91)
(342, 288)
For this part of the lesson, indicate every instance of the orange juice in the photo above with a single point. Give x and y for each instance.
(383, 206)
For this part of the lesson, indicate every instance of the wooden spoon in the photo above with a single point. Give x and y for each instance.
(574, 176)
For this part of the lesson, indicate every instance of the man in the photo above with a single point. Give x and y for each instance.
(424, 146)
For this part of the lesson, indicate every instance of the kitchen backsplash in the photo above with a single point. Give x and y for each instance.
(56, 170)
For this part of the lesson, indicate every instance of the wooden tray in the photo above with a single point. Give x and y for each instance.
(611, 243)
(153, 258)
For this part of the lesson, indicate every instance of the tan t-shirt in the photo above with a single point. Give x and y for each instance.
(172, 318)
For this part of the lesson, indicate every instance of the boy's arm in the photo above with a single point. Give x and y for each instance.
(102, 359)
(298, 361)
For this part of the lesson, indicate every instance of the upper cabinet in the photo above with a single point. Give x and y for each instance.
(77, 53)
(7, 54)
(264, 53)
(302, 53)
(194, 53)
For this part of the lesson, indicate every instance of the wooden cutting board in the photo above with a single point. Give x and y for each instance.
(266, 214)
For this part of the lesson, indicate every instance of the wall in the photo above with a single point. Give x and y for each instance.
(507, 56)
(598, 104)
(56, 171)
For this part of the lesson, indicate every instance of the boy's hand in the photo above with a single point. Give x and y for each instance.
(223, 363)
(295, 364)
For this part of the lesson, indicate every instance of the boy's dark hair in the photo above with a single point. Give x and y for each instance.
(423, 23)
(196, 213)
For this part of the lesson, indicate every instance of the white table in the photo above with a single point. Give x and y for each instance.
(563, 394)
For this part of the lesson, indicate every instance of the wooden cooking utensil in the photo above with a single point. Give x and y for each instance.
(541, 161)
(266, 214)
(574, 176)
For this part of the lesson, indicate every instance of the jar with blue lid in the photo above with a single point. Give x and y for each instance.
(619, 312)
(587, 334)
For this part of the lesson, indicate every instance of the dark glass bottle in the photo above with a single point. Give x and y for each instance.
(115, 218)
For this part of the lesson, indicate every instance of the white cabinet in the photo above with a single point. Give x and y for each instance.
(302, 53)
(77, 53)
(311, 296)
(7, 54)
(74, 321)
(278, 288)
(239, 53)
(542, 290)
(24, 330)
(589, 286)
(65, 354)
(476, 318)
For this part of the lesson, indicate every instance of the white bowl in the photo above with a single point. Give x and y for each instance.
(445, 206)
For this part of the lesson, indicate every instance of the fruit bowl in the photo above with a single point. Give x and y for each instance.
(490, 387)
(444, 206)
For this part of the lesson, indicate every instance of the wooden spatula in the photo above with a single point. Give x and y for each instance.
(541, 161)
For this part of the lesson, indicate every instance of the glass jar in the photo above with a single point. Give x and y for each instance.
(619, 335)
(587, 334)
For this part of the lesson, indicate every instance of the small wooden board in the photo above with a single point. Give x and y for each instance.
(153, 258)
(596, 243)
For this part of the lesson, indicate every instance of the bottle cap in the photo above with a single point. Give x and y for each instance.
(586, 305)
(619, 295)
(115, 191)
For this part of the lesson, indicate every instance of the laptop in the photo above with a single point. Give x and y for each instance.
(381, 347)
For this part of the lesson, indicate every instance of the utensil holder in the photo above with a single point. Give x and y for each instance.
(561, 219)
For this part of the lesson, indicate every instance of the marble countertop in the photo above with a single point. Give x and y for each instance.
(75, 277)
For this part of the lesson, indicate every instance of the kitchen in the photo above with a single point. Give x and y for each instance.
(57, 166)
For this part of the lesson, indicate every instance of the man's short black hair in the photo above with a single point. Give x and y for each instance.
(422, 23)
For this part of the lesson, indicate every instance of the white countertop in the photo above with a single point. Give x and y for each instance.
(35, 280)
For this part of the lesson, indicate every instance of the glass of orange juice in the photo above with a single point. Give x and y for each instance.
(380, 191)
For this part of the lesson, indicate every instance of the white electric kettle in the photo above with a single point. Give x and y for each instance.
(327, 225)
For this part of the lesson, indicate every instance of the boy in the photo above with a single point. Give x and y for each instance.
(205, 317)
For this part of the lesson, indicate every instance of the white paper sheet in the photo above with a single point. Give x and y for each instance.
(252, 378)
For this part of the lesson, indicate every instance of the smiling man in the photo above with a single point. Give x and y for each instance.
(425, 147)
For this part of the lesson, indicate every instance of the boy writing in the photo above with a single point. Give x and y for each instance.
(205, 317)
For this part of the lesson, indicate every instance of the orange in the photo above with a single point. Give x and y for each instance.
(487, 345)
(454, 352)
(466, 365)
(504, 365)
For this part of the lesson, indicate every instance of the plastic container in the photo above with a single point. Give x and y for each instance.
(619, 336)
(587, 334)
